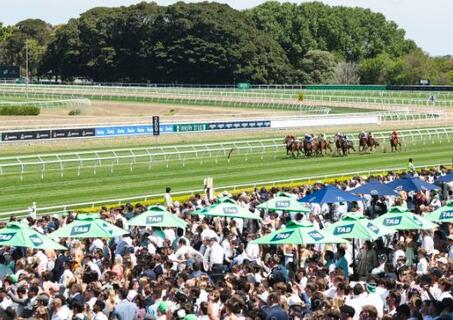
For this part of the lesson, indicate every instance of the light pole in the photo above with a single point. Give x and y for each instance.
(26, 68)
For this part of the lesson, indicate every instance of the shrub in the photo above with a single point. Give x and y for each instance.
(19, 111)
(75, 112)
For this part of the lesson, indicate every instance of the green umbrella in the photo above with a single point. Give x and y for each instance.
(298, 233)
(20, 235)
(283, 203)
(226, 200)
(357, 226)
(88, 226)
(227, 209)
(442, 215)
(157, 216)
(401, 218)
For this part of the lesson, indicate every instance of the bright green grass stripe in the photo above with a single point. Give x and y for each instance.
(56, 190)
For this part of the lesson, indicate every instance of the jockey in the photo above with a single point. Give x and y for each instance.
(345, 137)
(362, 135)
(308, 138)
(370, 135)
(394, 134)
(323, 136)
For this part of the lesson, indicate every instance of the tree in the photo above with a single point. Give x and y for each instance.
(189, 43)
(350, 34)
(345, 73)
(374, 70)
(31, 33)
(317, 66)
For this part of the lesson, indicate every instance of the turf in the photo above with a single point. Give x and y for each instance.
(54, 189)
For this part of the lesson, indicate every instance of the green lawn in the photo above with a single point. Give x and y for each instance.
(71, 188)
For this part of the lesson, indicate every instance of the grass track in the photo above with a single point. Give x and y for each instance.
(54, 189)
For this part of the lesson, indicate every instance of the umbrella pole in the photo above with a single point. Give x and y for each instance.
(353, 256)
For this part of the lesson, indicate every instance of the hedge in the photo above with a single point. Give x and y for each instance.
(19, 111)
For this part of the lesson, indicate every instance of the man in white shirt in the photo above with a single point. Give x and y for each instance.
(397, 254)
(208, 233)
(422, 265)
(97, 310)
(216, 256)
(358, 301)
(60, 311)
(252, 250)
(185, 252)
(427, 242)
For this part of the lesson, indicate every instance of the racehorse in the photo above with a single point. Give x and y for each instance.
(394, 143)
(323, 145)
(292, 146)
(363, 143)
(310, 147)
(343, 146)
(372, 142)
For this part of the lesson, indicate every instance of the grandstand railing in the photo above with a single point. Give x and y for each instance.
(63, 209)
(150, 156)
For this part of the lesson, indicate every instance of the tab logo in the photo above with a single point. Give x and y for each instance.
(230, 210)
(394, 221)
(107, 227)
(446, 215)
(282, 236)
(316, 235)
(77, 230)
(36, 240)
(345, 229)
(6, 236)
(154, 219)
(372, 227)
(417, 221)
(282, 204)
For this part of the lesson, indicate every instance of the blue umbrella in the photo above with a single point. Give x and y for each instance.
(329, 194)
(409, 183)
(375, 188)
(447, 178)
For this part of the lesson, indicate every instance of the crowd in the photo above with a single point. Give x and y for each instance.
(211, 270)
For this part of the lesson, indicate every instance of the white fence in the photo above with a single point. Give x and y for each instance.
(150, 156)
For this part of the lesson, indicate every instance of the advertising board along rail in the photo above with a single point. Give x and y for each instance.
(59, 209)
(188, 127)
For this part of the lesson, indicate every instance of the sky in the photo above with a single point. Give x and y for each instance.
(428, 22)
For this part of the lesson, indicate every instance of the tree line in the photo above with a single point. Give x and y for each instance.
(207, 43)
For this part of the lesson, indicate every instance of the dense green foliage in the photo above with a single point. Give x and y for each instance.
(19, 111)
(188, 43)
(213, 43)
(31, 33)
